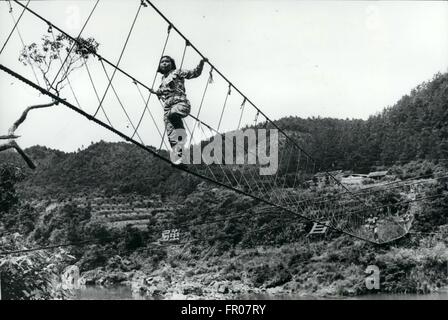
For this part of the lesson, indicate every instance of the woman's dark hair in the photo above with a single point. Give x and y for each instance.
(173, 64)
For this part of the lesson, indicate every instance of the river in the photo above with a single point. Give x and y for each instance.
(125, 293)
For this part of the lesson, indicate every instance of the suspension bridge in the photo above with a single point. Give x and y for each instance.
(331, 204)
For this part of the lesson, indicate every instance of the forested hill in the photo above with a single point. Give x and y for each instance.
(107, 167)
(416, 127)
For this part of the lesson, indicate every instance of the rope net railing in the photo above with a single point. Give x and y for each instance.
(115, 93)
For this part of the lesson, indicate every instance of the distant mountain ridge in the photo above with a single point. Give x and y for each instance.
(110, 167)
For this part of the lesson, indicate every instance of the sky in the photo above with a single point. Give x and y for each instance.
(341, 59)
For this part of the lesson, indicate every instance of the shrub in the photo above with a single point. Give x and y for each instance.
(31, 275)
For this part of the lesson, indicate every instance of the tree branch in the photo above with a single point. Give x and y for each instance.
(13, 145)
(25, 113)
(9, 137)
(65, 73)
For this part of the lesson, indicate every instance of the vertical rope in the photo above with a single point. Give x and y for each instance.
(155, 123)
(286, 170)
(256, 118)
(22, 41)
(210, 75)
(119, 100)
(152, 86)
(187, 43)
(241, 115)
(74, 42)
(96, 92)
(200, 108)
(162, 142)
(14, 28)
(224, 106)
(119, 59)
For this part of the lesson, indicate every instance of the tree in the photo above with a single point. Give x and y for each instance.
(9, 175)
(26, 275)
(42, 56)
(32, 275)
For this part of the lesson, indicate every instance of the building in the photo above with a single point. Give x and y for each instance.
(377, 175)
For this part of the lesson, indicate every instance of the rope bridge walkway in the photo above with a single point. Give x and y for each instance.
(292, 188)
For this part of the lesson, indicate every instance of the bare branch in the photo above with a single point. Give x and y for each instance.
(7, 146)
(25, 113)
(48, 64)
(66, 71)
(56, 87)
(11, 144)
(9, 137)
(47, 82)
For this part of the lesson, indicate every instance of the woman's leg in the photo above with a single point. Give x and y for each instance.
(180, 109)
(174, 125)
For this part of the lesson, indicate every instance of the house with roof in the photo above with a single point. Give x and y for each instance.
(377, 175)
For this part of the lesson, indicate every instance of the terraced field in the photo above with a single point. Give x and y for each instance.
(118, 211)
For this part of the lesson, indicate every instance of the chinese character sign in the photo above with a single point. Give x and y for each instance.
(170, 235)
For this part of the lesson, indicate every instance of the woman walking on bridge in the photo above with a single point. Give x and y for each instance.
(176, 105)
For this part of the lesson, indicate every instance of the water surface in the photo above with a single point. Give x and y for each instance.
(125, 293)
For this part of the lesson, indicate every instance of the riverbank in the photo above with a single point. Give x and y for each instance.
(122, 292)
(314, 270)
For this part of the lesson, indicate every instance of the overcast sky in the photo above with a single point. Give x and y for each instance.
(343, 59)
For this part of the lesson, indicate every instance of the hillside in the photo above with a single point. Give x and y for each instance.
(416, 127)
(114, 168)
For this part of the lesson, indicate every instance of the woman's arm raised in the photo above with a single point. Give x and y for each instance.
(196, 72)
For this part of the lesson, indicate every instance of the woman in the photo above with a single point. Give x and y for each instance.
(176, 105)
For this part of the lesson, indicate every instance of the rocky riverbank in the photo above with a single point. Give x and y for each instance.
(168, 283)
(317, 270)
